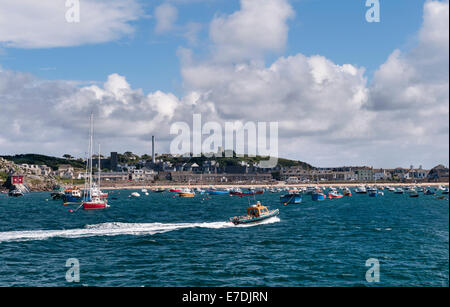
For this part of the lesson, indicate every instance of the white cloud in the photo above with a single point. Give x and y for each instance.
(42, 24)
(166, 15)
(258, 27)
(328, 113)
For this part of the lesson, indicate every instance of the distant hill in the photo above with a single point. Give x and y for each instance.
(232, 161)
(37, 159)
(55, 162)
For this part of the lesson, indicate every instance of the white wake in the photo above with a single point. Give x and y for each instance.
(115, 229)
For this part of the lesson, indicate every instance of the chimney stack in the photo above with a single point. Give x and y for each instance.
(153, 149)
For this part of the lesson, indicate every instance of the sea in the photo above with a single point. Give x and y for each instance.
(164, 240)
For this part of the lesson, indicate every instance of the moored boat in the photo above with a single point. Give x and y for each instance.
(347, 192)
(334, 194)
(291, 199)
(93, 197)
(186, 193)
(217, 192)
(255, 213)
(72, 196)
(399, 191)
(15, 193)
(318, 196)
(360, 190)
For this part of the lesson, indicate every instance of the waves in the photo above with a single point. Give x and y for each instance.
(116, 229)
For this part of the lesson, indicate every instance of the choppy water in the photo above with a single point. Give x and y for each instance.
(158, 240)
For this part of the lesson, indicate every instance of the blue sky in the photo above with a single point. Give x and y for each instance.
(343, 91)
(335, 29)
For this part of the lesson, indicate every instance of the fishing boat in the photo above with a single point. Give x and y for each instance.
(255, 213)
(92, 199)
(72, 196)
(186, 193)
(318, 196)
(294, 198)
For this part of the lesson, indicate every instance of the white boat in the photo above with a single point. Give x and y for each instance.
(135, 194)
(360, 190)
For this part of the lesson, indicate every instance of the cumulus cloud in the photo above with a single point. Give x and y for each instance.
(410, 91)
(52, 115)
(258, 27)
(43, 24)
(328, 114)
(321, 105)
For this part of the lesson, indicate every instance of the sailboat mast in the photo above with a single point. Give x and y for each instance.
(99, 166)
(90, 152)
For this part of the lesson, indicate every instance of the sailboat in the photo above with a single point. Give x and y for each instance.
(92, 198)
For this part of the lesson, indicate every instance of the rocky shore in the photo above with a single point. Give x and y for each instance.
(34, 183)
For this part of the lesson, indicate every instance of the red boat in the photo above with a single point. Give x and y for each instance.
(175, 190)
(335, 195)
(95, 205)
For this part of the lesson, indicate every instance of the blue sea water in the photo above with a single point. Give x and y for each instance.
(159, 240)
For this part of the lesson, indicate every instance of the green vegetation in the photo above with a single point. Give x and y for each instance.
(3, 176)
(52, 162)
(71, 181)
(133, 159)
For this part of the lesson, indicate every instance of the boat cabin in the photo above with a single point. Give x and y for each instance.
(257, 210)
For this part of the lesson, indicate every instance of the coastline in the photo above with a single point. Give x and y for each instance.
(279, 185)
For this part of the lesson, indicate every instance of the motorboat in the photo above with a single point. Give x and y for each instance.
(318, 196)
(186, 192)
(334, 194)
(255, 213)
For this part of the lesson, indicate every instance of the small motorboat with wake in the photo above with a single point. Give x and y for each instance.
(255, 213)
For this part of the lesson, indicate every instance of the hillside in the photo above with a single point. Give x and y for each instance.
(37, 159)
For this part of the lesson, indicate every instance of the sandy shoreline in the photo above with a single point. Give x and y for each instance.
(281, 185)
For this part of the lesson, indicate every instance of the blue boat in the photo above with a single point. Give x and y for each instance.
(293, 198)
(373, 194)
(72, 196)
(318, 196)
(218, 192)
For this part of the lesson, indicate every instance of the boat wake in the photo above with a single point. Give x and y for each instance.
(115, 229)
